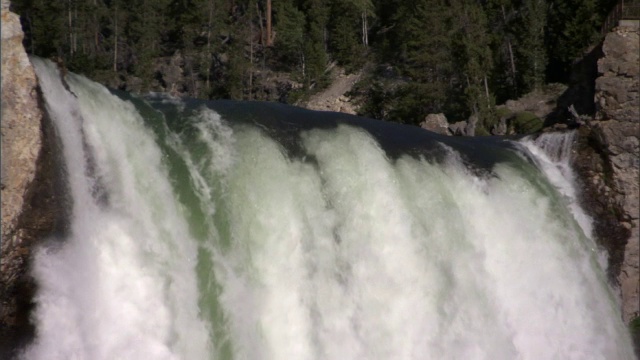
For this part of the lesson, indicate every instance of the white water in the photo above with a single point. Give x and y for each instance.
(553, 153)
(249, 254)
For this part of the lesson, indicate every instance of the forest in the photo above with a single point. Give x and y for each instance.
(457, 57)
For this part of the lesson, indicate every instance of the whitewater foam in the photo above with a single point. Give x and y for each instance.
(216, 244)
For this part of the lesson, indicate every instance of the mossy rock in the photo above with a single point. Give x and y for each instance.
(503, 112)
(481, 131)
(525, 122)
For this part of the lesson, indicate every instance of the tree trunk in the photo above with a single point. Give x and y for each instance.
(486, 92)
(510, 48)
(250, 59)
(75, 33)
(209, 64)
(115, 42)
(96, 28)
(513, 64)
(70, 28)
(269, 35)
(263, 36)
(365, 33)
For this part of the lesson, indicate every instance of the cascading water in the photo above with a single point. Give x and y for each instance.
(227, 230)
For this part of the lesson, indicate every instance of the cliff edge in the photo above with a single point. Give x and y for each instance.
(31, 180)
(617, 131)
(608, 162)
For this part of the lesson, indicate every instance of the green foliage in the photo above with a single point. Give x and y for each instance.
(345, 38)
(377, 98)
(501, 25)
(290, 25)
(634, 326)
(634, 329)
(503, 112)
(481, 131)
(458, 57)
(526, 123)
(314, 49)
(472, 54)
(573, 25)
(531, 52)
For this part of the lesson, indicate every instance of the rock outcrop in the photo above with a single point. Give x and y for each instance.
(608, 162)
(437, 123)
(31, 184)
(617, 131)
(541, 102)
(335, 98)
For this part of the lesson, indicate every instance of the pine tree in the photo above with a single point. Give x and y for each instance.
(44, 25)
(315, 57)
(345, 34)
(426, 55)
(573, 25)
(531, 52)
(472, 53)
(501, 18)
(289, 24)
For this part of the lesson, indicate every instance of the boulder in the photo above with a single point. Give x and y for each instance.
(470, 130)
(437, 123)
(458, 128)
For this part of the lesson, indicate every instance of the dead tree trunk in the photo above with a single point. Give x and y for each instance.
(269, 35)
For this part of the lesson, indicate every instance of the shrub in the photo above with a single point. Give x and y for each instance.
(503, 112)
(526, 123)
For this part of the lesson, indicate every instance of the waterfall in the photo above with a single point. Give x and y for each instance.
(553, 153)
(232, 230)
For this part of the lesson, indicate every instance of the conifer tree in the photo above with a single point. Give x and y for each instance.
(532, 53)
(472, 54)
(427, 55)
(345, 37)
(315, 57)
(289, 23)
(573, 25)
(501, 20)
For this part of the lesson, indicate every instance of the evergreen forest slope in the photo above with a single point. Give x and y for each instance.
(457, 57)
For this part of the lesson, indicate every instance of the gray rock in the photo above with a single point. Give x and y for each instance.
(437, 123)
(540, 102)
(500, 128)
(458, 128)
(616, 135)
(33, 202)
(470, 130)
(21, 141)
(21, 146)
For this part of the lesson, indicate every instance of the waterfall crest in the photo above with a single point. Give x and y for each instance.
(223, 230)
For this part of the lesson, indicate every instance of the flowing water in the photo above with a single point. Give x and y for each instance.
(229, 230)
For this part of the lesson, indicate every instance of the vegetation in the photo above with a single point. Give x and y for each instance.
(634, 329)
(459, 57)
(525, 123)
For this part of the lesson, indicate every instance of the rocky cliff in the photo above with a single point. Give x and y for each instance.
(617, 131)
(30, 183)
(608, 162)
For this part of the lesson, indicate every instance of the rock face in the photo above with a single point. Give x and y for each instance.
(30, 181)
(608, 162)
(21, 140)
(436, 123)
(541, 103)
(617, 131)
